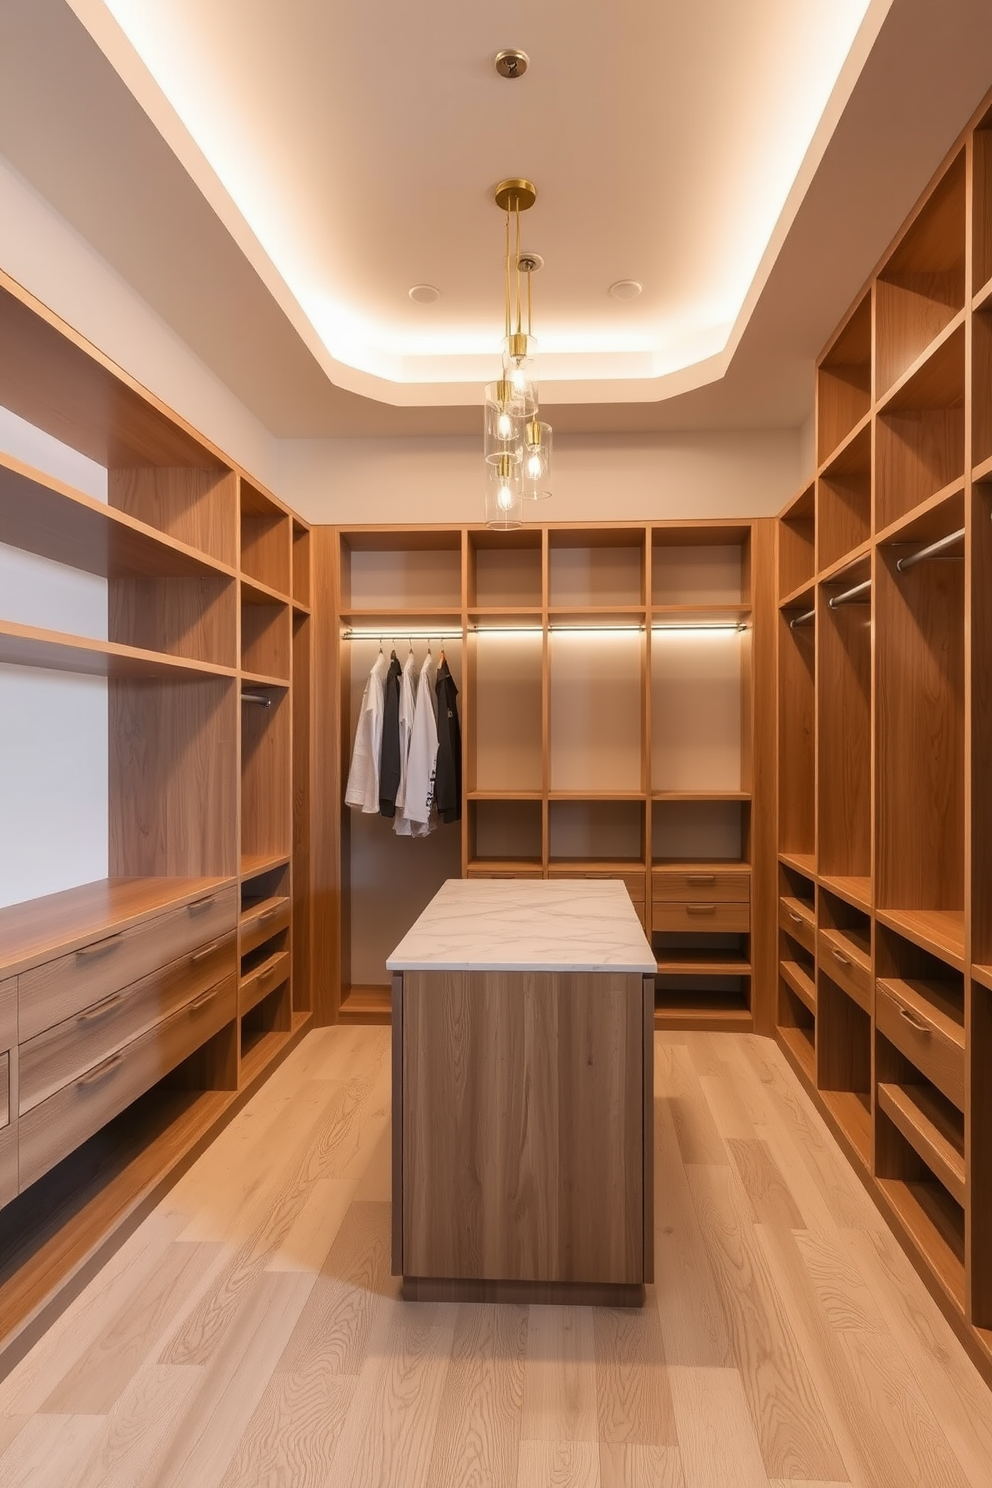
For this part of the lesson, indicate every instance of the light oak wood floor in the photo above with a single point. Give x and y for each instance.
(249, 1333)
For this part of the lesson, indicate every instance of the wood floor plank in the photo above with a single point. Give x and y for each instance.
(103, 1372)
(134, 1434)
(677, 1085)
(764, 1185)
(208, 1433)
(376, 1183)
(631, 1465)
(795, 1438)
(693, 1323)
(847, 1300)
(717, 1441)
(308, 1242)
(293, 1432)
(632, 1392)
(43, 1454)
(730, 1114)
(558, 1464)
(477, 1442)
(389, 1432)
(11, 1426)
(333, 1328)
(560, 1376)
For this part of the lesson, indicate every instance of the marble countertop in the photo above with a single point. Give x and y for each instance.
(489, 924)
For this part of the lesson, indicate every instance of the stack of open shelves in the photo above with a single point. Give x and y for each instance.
(606, 677)
(884, 727)
(207, 603)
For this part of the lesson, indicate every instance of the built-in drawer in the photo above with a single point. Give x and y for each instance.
(257, 925)
(8, 1013)
(846, 965)
(635, 883)
(262, 980)
(59, 989)
(701, 917)
(5, 1089)
(918, 1034)
(504, 873)
(53, 1129)
(8, 1163)
(796, 920)
(717, 886)
(63, 1053)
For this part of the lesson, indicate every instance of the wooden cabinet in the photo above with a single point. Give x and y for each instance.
(610, 677)
(884, 730)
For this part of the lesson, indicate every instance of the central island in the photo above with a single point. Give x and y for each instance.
(523, 1022)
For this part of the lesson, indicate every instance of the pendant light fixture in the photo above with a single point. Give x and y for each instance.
(517, 443)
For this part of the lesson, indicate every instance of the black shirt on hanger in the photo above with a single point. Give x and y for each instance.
(389, 754)
(448, 779)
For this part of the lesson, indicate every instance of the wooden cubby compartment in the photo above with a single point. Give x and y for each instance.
(266, 641)
(797, 730)
(700, 830)
(191, 617)
(596, 710)
(981, 218)
(700, 718)
(843, 721)
(266, 540)
(419, 572)
(505, 831)
(843, 382)
(505, 571)
(301, 564)
(302, 812)
(922, 286)
(797, 543)
(919, 650)
(606, 831)
(267, 890)
(843, 1062)
(843, 502)
(265, 775)
(919, 434)
(596, 570)
(700, 569)
(198, 506)
(980, 620)
(504, 711)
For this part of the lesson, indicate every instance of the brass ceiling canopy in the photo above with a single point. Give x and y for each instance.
(515, 195)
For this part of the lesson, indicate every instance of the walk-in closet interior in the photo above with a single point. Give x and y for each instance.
(495, 930)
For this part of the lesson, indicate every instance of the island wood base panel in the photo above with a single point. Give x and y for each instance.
(524, 1293)
(522, 1152)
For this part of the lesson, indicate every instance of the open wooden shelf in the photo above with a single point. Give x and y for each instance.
(366, 1005)
(940, 931)
(932, 1219)
(851, 1109)
(801, 983)
(703, 963)
(928, 1128)
(804, 863)
(52, 650)
(856, 889)
(798, 1042)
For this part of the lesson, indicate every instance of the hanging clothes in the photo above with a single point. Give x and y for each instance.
(418, 805)
(408, 687)
(448, 786)
(363, 777)
(389, 759)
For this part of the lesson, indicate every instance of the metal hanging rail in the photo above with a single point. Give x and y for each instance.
(257, 697)
(804, 619)
(932, 550)
(849, 596)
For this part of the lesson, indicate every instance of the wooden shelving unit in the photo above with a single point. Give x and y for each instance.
(608, 677)
(208, 599)
(884, 730)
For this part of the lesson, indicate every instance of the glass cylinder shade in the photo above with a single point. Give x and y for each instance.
(503, 426)
(504, 495)
(536, 467)
(518, 373)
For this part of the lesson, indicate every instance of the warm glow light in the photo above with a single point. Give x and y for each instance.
(535, 467)
(504, 498)
(504, 426)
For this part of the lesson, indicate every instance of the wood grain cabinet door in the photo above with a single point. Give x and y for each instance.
(523, 1109)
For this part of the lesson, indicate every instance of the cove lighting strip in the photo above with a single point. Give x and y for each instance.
(442, 633)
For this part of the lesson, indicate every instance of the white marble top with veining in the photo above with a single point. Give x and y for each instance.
(489, 924)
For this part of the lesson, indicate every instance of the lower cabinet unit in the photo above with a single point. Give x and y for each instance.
(8, 1089)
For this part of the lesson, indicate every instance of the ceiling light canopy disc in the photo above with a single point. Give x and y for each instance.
(515, 195)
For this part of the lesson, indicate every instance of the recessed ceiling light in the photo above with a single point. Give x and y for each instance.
(424, 294)
(626, 289)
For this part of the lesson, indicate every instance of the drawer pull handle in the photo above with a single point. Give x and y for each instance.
(202, 955)
(100, 1070)
(101, 1009)
(913, 1020)
(270, 914)
(201, 905)
(204, 998)
(838, 956)
(798, 918)
(700, 878)
(700, 909)
(101, 948)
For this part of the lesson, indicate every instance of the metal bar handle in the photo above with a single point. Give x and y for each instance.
(100, 1070)
(932, 550)
(101, 1009)
(913, 1020)
(101, 948)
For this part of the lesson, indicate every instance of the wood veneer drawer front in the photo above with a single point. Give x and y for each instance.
(257, 928)
(8, 1013)
(922, 1042)
(701, 916)
(717, 886)
(845, 968)
(263, 980)
(63, 1053)
(59, 989)
(508, 873)
(795, 923)
(57, 1126)
(8, 1164)
(4, 1090)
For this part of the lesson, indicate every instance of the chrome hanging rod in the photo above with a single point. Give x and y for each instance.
(849, 596)
(257, 697)
(932, 550)
(805, 618)
(366, 633)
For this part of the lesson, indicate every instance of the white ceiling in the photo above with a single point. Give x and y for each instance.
(359, 145)
(118, 163)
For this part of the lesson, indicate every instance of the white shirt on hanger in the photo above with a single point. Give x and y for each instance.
(363, 777)
(422, 759)
(406, 716)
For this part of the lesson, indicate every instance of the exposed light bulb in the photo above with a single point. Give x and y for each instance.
(519, 378)
(504, 497)
(535, 466)
(504, 426)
